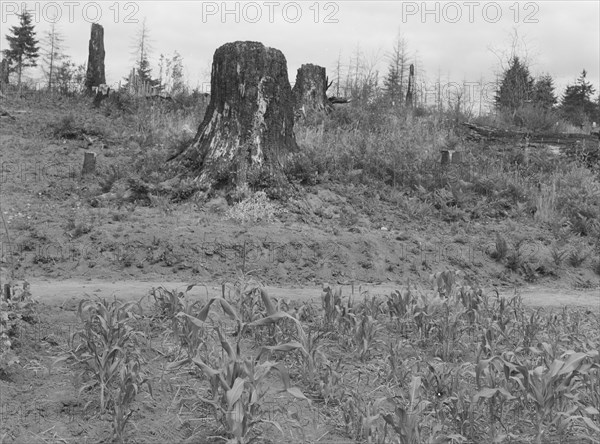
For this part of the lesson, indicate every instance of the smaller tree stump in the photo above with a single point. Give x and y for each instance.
(446, 156)
(89, 163)
(457, 157)
(309, 91)
(7, 294)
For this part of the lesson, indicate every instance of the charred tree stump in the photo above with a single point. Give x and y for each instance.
(95, 67)
(248, 128)
(310, 90)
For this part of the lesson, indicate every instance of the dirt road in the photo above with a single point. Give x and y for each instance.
(58, 292)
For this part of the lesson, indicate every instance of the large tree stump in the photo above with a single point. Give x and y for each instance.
(248, 128)
(95, 66)
(310, 90)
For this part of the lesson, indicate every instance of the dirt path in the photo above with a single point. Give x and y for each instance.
(58, 292)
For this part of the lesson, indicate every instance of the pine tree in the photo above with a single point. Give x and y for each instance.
(543, 92)
(516, 87)
(23, 50)
(177, 74)
(142, 50)
(577, 105)
(394, 81)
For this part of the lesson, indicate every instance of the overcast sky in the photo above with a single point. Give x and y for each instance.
(459, 40)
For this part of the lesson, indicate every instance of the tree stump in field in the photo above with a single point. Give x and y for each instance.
(95, 66)
(89, 163)
(248, 128)
(310, 90)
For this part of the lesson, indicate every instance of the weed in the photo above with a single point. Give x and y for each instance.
(577, 257)
(558, 256)
(254, 208)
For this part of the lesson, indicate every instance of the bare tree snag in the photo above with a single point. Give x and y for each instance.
(310, 90)
(411, 85)
(248, 128)
(95, 66)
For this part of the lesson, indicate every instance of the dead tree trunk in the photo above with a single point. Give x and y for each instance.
(310, 90)
(4, 72)
(411, 85)
(248, 128)
(95, 66)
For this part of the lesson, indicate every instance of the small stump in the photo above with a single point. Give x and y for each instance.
(89, 163)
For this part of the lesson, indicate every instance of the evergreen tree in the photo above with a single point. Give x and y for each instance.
(394, 81)
(516, 87)
(23, 50)
(69, 77)
(177, 74)
(577, 105)
(142, 52)
(543, 92)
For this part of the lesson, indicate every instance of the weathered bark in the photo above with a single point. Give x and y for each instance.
(248, 128)
(310, 90)
(95, 67)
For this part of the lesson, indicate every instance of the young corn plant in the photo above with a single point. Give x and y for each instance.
(366, 336)
(310, 349)
(109, 350)
(128, 385)
(245, 297)
(192, 336)
(448, 328)
(554, 389)
(331, 302)
(337, 316)
(361, 417)
(370, 306)
(400, 303)
(407, 416)
(399, 369)
(107, 341)
(237, 388)
(331, 384)
(446, 282)
(167, 303)
(237, 382)
(496, 372)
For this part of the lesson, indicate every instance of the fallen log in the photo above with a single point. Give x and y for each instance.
(492, 134)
